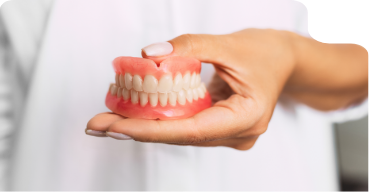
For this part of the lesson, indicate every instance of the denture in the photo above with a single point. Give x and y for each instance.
(144, 89)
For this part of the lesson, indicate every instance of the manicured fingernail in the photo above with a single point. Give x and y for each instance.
(118, 136)
(158, 49)
(95, 133)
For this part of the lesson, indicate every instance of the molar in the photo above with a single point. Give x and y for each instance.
(186, 81)
(153, 99)
(134, 96)
(198, 80)
(163, 99)
(137, 83)
(165, 84)
(195, 94)
(121, 81)
(200, 92)
(177, 83)
(113, 90)
(144, 98)
(119, 93)
(189, 95)
(150, 84)
(181, 97)
(128, 81)
(172, 98)
(193, 80)
(126, 94)
(203, 87)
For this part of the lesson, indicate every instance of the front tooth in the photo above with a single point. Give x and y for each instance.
(150, 84)
(189, 96)
(121, 80)
(113, 90)
(178, 83)
(193, 80)
(172, 98)
(200, 92)
(137, 83)
(126, 94)
(119, 93)
(198, 80)
(117, 80)
(195, 95)
(144, 98)
(134, 96)
(186, 81)
(165, 84)
(181, 97)
(128, 81)
(153, 99)
(163, 99)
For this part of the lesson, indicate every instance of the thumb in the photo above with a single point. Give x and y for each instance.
(206, 48)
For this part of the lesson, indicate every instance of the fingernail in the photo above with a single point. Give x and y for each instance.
(118, 136)
(158, 49)
(95, 133)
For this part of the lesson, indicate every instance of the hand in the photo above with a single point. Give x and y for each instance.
(254, 65)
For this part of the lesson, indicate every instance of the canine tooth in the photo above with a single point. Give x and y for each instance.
(193, 80)
(134, 96)
(177, 83)
(181, 97)
(119, 93)
(186, 81)
(126, 94)
(117, 80)
(200, 92)
(172, 98)
(128, 81)
(144, 98)
(153, 99)
(165, 84)
(163, 99)
(113, 90)
(121, 80)
(150, 84)
(137, 83)
(195, 94)
(203, 87)
(198, 80)
(189, 95)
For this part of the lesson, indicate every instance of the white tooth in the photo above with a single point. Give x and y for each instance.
(198, 80)
(189, 96)
(144, 98)
(200, 92)
(172, 98)
(178, 83)
(119, 93)
(126, 94)
(121, 80)
(134, 96)
(113, 90)
(181, 97)
(128, 80)
(195, 95)
(153, 99)
(193, 80)
(186, 81)
(165, 84)
(150, 84)
(203, 87)
(117, 80)
(163, 99)
(137, 83)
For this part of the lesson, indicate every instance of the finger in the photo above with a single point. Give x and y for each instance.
(102, 121)
(224, 120)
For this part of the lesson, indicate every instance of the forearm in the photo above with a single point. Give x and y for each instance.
(328, 76)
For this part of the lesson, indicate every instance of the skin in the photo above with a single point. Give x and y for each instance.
(254, 68)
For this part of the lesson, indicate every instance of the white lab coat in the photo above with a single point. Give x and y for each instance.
(71, 75)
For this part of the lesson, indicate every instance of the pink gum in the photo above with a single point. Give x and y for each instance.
(142, 67)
